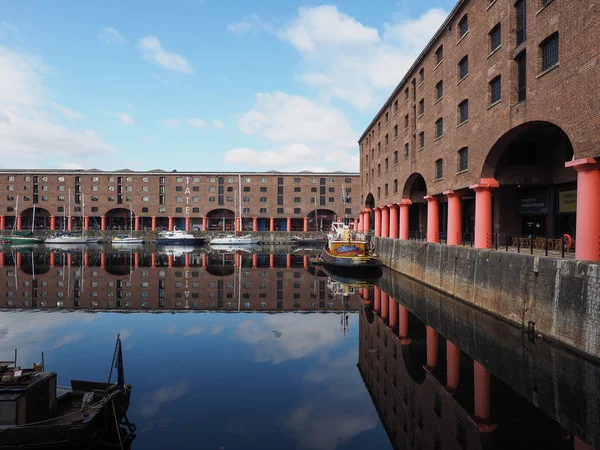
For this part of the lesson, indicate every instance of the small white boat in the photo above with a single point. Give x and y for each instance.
(66, 238)
(92, 240)
(125, 239)
(176, 250)
(176, 237)
(232, 239)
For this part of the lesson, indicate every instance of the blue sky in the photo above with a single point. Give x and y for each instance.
(200, 84)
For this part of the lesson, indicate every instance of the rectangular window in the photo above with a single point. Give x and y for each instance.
(263, 199)
(179, 210)
(378, 169)
(521, 21)
(145, 199)
(463, 111)
(395, 186)
(421, 140)
(379, 147)
(421, 75)
(495, 90)
(297, 199)
(405, 151)
(263, 189)
(406, 94)
(297, 180)
(297, 189)
(396, 157)
(463, 26)
(439, 90)
(495, 38)
(395, 106)
(279, 210)
(296, 210)
(263, 210)
(422, 106)
(549, 49)
(395, 131)
(406, 121)
(439, 127)
(386, 164)
(521, 76)
(439, 169)
(439, 54)
(463, 68)
(386, 190)
(387, 139)
(463, 159)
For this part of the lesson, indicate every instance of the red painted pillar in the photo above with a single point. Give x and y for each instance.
(204, 260)
(52, 259)
(271, 260)
(453, 367)
(403, 326)
(154, 260)
(289, 224)
(52, 223)
(188, 224)
(404, 227)
(170, 259)
(170, 223)
(306, 224)
(288, 261)
(305, 261)
(385, 307)
(433, 219)
(255, 260)
(356, 222)
(272, 224)
(153, 223)
(103, 223)
(86, 259)
(367, 222)
(86, 223)
(69, 223)
(483, 212)
(204, 223)
(238, 259)
(393, 314)
(366, 295)
(482, 392)
(238, 224)
(385, 222)
(454, 218)
(432, 349)
(377, 222)
(136, 223)
(587, 230)
(393, 221)
(377, 299)
(18, 222)
(361, 221)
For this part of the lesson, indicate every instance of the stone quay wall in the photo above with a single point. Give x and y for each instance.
(556, 298)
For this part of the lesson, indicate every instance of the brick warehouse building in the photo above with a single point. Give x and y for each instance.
(163, 200)
(494, 129)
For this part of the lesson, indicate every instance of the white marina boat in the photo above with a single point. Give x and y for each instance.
(66, 238)
(125, 239)
(178, 237)
(232, 239)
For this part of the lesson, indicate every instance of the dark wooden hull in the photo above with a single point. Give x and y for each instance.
(350, 262)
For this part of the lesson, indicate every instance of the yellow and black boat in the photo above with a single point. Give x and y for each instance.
(348, 249)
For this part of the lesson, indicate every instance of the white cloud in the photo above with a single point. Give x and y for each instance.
(69, 113)
(196, 123)
(109, 35)
(218, 124)
(152, 404)
(125, 118)
(290, 157)
(8, 30)
(171, 123)
(251, 23)
(128, 105)
(192, 331)
(152, 51)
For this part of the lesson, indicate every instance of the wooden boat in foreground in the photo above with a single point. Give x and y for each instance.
(38, 414)
(348, 249)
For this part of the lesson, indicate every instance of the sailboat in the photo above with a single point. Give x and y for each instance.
(124, 239)
(67, 238)
(19, 237)
(232, 239)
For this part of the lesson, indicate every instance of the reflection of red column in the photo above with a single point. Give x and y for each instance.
(136, 260)
(18, 222)
(289, 224)
(271, 260)
(103, 260)
(204, 223)
(170, 223)
(433, 219)
(385, 306)
(238, 258)
(453, 367)
(454, 218)
(153, 260)
(238, 225)
(153, 223)
(404, 227)
(86, 223)
(432, 348)
(393, 314)
(255, 224)
(377, 222)
(103, 223)
(377, 299)
(588, 208)
(305, 261)
(483, 212)
(288, 261)
(204, 260)
(86, 260)
(306, 224)
(52, 223)
(272, 224)
(385, 221)
(52, 259)
(69, 259)
(393, 221)
(170, 259)
(136, 222)
(2, 259)
(482, 392)
(403, 319)
(19, 259)
(255, 260)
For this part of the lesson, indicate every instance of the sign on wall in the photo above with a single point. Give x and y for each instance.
(534, 204)
(567, 201)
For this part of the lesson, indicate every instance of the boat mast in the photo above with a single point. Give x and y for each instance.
(69, 206)
(240, 201)
(33, 220)
(16, 214)
(131, 219)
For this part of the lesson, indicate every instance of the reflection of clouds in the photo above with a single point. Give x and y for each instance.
(163, 395)
(216, 329)
(301, 335)
(68, 338)
(125, 333)
(171, 329)
(194, 330)
(31, 331)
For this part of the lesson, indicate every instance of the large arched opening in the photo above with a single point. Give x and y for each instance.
(119, 219)
(370, 205)
(415, 189)
(35, 218)
(220, 220)
(321, 219)
(537, 196)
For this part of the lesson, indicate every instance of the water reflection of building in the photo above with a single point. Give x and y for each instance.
(127, 280)
(430, 395)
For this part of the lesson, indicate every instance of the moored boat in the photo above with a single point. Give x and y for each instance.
(66, 238)
(22, 238)
(178, 237)
(348, 249)
(125, 239)
(232, 239)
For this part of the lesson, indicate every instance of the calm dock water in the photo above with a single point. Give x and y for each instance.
(241, 350)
